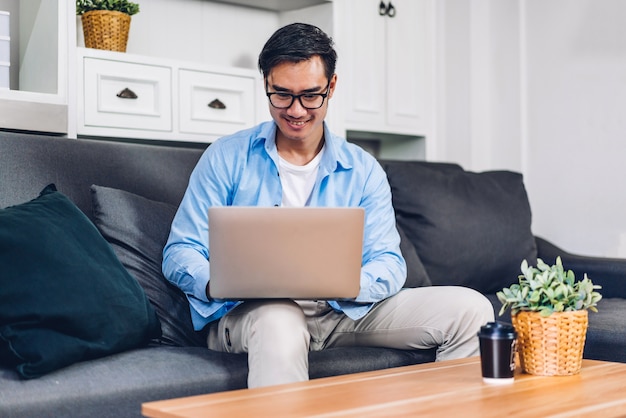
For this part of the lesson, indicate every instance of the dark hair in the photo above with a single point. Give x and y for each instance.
(295, 43)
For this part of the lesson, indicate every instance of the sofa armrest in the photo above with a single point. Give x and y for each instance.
(610, 273)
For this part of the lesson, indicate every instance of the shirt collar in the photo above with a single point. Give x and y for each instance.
(334, 157)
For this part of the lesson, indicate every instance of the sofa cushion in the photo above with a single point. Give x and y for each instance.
(470, 229)
(65, 296)
(137, 228)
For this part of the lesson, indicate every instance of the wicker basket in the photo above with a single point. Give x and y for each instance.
(105, 29)
(553, 345)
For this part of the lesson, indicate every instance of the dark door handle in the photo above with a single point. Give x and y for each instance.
(386, 10)
(382, 9)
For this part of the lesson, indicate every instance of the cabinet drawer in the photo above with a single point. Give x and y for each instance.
(127, 95)
(215, 104)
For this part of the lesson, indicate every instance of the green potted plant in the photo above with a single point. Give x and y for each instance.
(106, 23)
(549, 312)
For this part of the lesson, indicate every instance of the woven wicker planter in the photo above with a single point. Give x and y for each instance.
(553, 345)
(105, 29)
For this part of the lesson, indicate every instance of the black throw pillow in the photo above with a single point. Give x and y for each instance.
(137, 228)
(416, 275)
(64, 295)
(470, 229)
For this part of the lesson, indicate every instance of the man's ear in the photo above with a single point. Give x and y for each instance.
(332, 85)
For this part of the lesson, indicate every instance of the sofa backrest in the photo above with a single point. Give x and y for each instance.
(469, 229)
(29, 162)
(463, 228)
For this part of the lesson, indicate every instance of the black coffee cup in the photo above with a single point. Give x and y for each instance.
(497, 352)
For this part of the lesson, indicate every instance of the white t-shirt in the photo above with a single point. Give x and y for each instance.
(298, 180)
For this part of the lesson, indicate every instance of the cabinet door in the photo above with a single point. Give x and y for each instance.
(408, 64)
(388, 66)
(364, 52)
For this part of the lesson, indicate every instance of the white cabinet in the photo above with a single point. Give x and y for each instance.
(191, 85)
(386, 71)
(132, 96)
(38, 48)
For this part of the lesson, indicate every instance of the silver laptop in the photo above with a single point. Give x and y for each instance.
(276, 252)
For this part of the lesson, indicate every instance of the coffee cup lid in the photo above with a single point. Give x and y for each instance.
(499, 330)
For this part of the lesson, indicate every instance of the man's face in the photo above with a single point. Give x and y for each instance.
(297, 123)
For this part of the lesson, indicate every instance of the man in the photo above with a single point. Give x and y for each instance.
(296, 161)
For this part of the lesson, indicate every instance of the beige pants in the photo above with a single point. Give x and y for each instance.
(278, 334)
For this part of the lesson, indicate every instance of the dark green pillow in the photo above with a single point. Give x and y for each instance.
(64, 295)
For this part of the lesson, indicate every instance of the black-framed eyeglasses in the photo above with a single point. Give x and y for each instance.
(311, 101)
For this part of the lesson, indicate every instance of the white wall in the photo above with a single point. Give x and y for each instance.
(576, 128)
(539, 86)
(479, 113)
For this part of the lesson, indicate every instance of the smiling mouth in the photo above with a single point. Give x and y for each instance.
(296, 122)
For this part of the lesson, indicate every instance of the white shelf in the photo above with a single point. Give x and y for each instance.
(38, 101)
(275, 5)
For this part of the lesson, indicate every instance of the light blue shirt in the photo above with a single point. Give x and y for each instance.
(242, 170)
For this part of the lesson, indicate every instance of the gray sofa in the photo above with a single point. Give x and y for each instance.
(154, 177)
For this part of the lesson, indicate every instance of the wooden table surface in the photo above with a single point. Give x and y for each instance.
(452, 388)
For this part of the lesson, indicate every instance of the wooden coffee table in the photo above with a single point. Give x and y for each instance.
(452, 388)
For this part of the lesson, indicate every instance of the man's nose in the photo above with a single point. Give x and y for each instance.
(296, 108)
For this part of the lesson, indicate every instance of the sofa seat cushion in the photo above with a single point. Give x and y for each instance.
(117, 385)
(65, 296)
(137, 228)
(342, 360)
(469, 229)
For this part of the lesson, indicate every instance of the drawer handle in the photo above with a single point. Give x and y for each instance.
(217, 104)
(126, 94)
